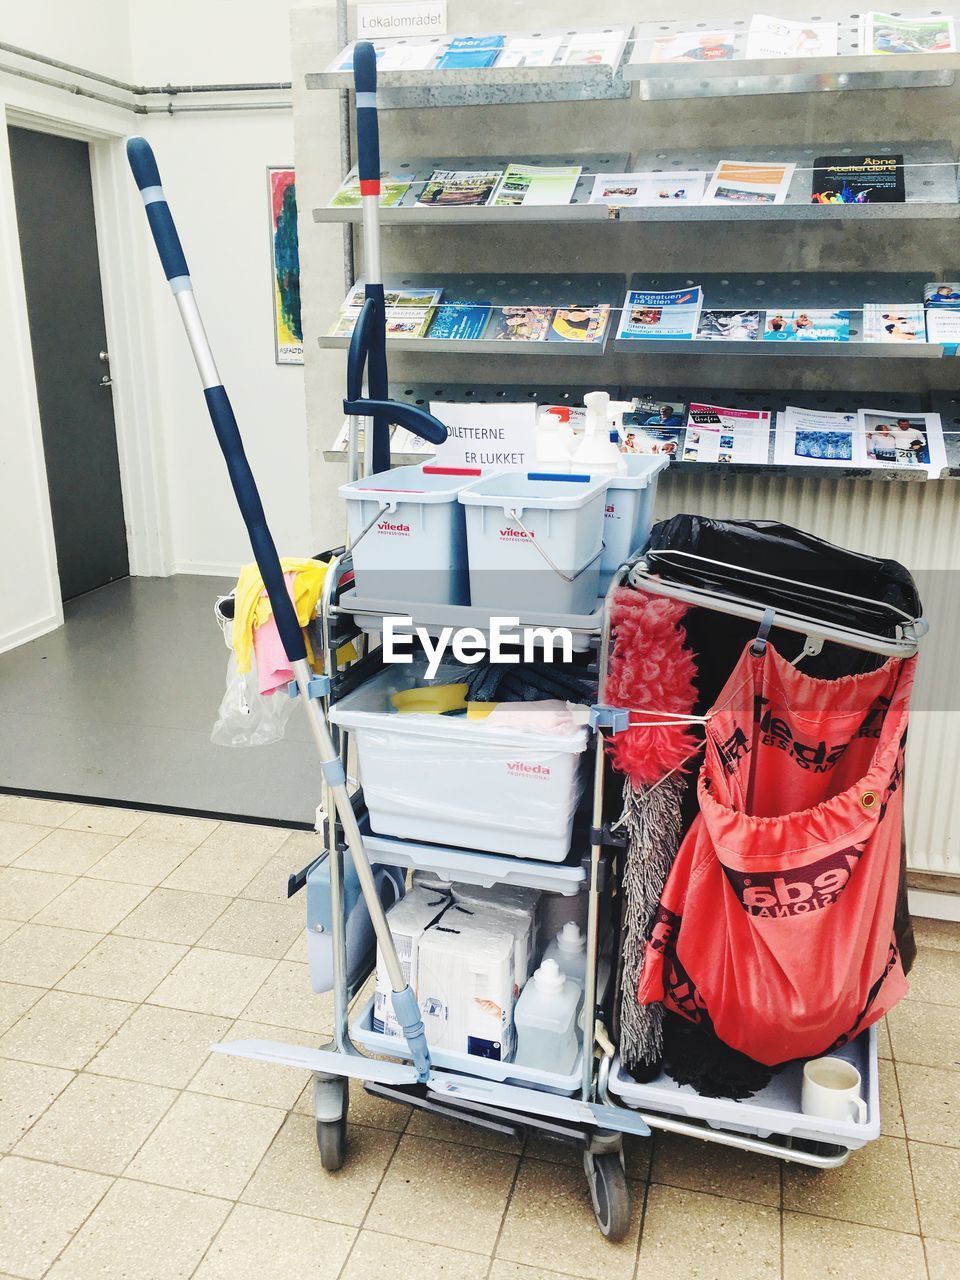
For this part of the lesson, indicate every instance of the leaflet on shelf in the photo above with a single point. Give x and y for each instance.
(942, 293)
(943, 326)
(654, 427)
(519, 324)
(457, 187)
(869, 439)
(912, 441)
(718, 434)
(634, 189)
(470, 51)
(806, 326)
(746, 182)
(596, 48)
(858, 179)
(529, 51)
(408, 312)
(649, 315)
(889, 322)
(460, 321)
(730, 326)
(396, 55)
(779, 38)
(579, 324)
(688, 46)
(892, 33)
(392, 190)
(536, 184)
(815, 437)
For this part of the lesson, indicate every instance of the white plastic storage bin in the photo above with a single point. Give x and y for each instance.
(453, 781)
(562, 518)
(629, 512)
(418, 549)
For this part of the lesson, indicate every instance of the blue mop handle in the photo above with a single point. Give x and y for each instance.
(147, 177)
(368, 127)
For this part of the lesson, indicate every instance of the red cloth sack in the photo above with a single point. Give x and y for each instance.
(776, 921)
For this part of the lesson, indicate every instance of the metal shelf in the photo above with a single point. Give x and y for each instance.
(930, 177)
(739, 76)
(812, 290)
(946, 403)
(484, 86)
(543, 290)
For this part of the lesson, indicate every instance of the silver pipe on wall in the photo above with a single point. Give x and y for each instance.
(346, 149)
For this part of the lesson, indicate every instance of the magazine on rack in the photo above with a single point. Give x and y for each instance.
(537, 184)
(519, 324)
(470, 51)
(815, 437)
(942, 304)
(780, 38)
(460, 321)
(457, 187)
(648, 315)
(396, 55)
(596, 48)
(730, 326)
(688, 46)
(580, 324)
(942, 293)
(654, 427)
(860, 179)
(392, 190)
(630, 189)
(887, 322)
(718, 434)
(529, 51)
(745, 182)
(806, 326)
(911, 440)
(892, 33)
(408, 312)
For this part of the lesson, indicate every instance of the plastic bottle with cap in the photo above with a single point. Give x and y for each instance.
(569, 949)
(596, 452)
(548, 1038)
(555, 438)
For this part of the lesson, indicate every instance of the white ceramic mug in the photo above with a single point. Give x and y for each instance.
(831, 1089)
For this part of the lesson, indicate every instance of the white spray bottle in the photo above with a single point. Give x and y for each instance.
(596, 452)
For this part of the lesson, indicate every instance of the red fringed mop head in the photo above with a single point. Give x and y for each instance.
(650, 669)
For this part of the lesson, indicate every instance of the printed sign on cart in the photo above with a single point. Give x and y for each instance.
(487, 435)
(429, 18)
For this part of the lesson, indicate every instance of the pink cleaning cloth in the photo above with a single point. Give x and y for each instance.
(548, 715)
(273, 670)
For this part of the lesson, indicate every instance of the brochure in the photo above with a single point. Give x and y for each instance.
(579, 324)
(470, 51)
(449, 187)
(806, 326)
(596, 48)
(661, 315)
(779, 38)
(519, 324)
(913, 440)
(889, 322)
(807, 437)
(860, 179)
(747, 183)
(891, 33)
(393, 297)
(631, 189)
(690, 46)
(717, 434)
(408, 322)
(408, 312)
(396, 55)
(730, 326)
(529, 51)
(654, 427)
(940, 293)
(537, 184)
(460, 322)
(345, 323)
(392, 191)
(943, 325)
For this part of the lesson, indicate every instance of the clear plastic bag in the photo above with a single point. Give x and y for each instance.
(248, 718)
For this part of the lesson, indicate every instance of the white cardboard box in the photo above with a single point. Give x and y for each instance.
(407, 919)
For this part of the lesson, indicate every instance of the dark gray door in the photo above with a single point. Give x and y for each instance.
(61, 268)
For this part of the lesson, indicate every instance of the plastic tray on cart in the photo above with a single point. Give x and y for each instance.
(362, 1032)
(773, 1110)
(472, 867)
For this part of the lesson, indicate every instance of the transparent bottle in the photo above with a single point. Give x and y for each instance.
(548, 1038)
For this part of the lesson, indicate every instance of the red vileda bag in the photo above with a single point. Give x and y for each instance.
(776, 921)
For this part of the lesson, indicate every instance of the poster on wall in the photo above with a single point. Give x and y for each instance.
(287, 329)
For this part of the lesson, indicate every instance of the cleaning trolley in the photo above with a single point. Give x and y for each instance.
(481, 856)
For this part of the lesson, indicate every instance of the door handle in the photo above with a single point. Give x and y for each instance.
(105, 381)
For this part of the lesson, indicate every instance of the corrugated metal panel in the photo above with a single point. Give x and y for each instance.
(918, 524)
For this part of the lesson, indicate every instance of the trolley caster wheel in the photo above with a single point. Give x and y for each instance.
(331, 1099)
(609, 1193)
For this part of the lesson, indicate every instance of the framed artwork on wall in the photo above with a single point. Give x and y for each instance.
(287, 328)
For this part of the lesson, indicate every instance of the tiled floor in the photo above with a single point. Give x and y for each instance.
(129, 942)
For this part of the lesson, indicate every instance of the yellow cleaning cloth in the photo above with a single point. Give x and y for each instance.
(251, 607)
(430, 700)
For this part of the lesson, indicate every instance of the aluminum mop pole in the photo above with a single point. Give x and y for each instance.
(165, 236)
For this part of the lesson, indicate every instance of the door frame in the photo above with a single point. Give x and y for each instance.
(127, 288)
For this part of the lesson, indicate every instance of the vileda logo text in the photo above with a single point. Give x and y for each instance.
(469, 645)
(395, 527)
(539, 771)
(515, 535)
